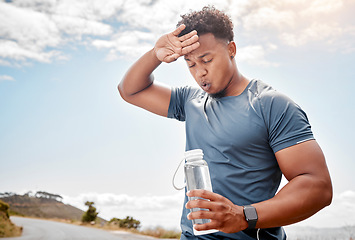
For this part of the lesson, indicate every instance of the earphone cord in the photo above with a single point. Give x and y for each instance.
(257, 234)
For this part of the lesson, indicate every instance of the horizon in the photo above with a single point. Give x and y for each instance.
(83, 207)
(65, 129)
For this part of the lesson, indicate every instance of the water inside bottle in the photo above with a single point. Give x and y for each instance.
(198, 177)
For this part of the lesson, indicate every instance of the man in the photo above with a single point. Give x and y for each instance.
(250, 134)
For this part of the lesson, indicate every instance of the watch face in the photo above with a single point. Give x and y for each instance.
(250, 213)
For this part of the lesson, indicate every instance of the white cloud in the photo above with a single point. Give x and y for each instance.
(269, 18)
(256, 55)
(78, 26)
(39, 30)
(317, 32)
(16, 51)
(298, 23)
(6, 78)
(150, 210)
(4, 63)
(324, 6)
(86, 9)
(127, 43)
(30, 29)
(26, 34)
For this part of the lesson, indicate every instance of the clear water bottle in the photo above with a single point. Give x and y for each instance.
(197, 176)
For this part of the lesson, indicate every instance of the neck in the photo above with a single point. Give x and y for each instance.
(235, 86)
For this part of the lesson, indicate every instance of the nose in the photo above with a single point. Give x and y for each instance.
(201, 72)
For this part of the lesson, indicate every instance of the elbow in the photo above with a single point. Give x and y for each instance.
(328, 194)
(325, 194)
(122, 92)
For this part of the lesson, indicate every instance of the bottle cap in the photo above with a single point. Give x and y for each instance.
(192, 154)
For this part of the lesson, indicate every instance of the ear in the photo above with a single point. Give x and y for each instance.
(232, 49)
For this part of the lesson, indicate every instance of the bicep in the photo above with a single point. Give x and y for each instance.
(155, 98)
(301, 159)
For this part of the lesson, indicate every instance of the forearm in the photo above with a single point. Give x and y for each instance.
(137, 86)
(302, 197)
(139, 76)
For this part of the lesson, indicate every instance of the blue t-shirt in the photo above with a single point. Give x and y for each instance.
(239, 136)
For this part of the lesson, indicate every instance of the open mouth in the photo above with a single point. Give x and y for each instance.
(205, 86)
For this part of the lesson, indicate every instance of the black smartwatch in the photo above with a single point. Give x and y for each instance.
(251, 216)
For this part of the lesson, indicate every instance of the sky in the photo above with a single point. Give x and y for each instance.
(64, 128)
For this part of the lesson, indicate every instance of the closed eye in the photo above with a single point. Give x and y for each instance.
(207, 61)
(191, 66)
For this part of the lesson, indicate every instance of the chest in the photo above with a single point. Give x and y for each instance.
(234, 123)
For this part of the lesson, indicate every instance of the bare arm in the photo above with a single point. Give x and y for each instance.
(138, 86)
(309, 189)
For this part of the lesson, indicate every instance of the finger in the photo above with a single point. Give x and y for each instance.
(188, 35)
(217, 207)
(189, 41)
(200, 203)
(202, 214)
(204, 194)
(190, 48)
(205, 226)
(178, 30)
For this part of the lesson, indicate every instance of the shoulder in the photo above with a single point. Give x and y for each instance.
(265, 92)
(286, 122)
(269, 98)
(180, 97)
(187, 93)
(275, 107)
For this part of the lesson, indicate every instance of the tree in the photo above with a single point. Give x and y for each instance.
(91, 214)
(48, 195)
(128, 222)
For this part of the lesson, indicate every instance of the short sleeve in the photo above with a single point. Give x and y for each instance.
(287, 123)
(177, 103)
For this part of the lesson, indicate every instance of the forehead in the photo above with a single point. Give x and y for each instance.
(208, 44)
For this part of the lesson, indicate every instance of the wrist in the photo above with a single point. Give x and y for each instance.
(154, 55)
(243, 224)
(251, 216)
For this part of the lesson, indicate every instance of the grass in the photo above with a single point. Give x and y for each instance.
(157, 232)
(7, 228)
(160, 232)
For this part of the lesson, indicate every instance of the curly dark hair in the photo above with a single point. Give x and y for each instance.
(208, 20)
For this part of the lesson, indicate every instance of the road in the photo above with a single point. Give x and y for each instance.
(37, 229)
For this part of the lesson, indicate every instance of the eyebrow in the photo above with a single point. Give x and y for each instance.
(202, 56)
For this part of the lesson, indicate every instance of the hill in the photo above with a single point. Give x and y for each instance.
(7, 228)
(41, 205)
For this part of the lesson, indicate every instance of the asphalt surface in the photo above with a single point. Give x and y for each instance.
(37, 229)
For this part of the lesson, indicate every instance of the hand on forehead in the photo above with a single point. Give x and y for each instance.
(208, 45)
